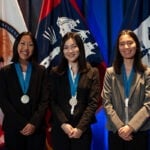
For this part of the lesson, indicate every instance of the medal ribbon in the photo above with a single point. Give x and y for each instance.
(24, 82)
(73, 83)
(127, 84)
(127, 81)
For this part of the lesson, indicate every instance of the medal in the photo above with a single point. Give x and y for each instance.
(126, 102)
(25, 99)
(73, 81)
(73, 102)
(24, 81)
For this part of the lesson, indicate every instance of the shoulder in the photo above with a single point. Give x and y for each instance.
(54, 73)
(38, 67)
(110, 73)
(54, 70)
(91, 71)
(110, 70)
(7, 68)
(147, 72)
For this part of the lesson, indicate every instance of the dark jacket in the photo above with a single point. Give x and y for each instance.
(17, 114)
(88, 92)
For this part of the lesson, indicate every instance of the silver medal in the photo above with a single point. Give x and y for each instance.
(73, 102)
(25, 99)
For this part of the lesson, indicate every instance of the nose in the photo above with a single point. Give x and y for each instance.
(26, 45)
(70, 49)
(126, 46)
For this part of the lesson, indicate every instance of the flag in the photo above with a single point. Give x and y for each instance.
(11, 24)
(138, 20)
(58, 17)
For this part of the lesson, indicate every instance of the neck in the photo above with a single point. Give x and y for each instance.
(23, 65)
(74, 67)
(128, 66)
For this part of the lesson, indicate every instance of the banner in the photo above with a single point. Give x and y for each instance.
(58, 17)
(138, 20)
(11, 24)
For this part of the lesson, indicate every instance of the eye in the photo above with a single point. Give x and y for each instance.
(73, 46)
(121, 44)
(22, 43)
(31, 44)
(66, 47)
(130, 43)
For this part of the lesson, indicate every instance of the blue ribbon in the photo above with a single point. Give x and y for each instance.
(24, 82)
(73, 84)
(127, 81)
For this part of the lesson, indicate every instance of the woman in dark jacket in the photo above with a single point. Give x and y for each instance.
(75, 90)
(24, 97)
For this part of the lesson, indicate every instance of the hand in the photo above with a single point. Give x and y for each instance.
(76, 133)
(125, 132)
(28, 129)
(128, 138)
(67, 128)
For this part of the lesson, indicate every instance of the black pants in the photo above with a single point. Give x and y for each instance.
(140, 142)
(16, 141)
(60, 141)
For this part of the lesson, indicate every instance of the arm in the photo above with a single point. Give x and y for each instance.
(143, 113)
(6, 106)
(40, 96)
(57, 112)
(107, 98)
(93, 101)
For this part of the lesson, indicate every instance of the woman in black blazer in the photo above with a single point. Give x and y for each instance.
(75, 90)
(24, 97)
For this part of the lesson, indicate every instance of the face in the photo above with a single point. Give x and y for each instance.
(25, 48)
(71, 51)
(127, 46)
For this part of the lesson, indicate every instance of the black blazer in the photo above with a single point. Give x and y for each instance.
(17, 114)
(88, 92)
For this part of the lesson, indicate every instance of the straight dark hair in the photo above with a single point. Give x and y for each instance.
(137, 65)
(63, 65)
(15, 57)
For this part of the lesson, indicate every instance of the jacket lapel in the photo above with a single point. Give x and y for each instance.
(120, 86)
(134, 83)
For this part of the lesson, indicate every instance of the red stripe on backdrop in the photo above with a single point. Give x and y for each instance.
(48, 6)
(76, 7)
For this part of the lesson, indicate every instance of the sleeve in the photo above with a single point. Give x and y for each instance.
(7, 108)
(93, 101)
(57, 112)
(107, 100)
(144, 112)
(43, 96)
